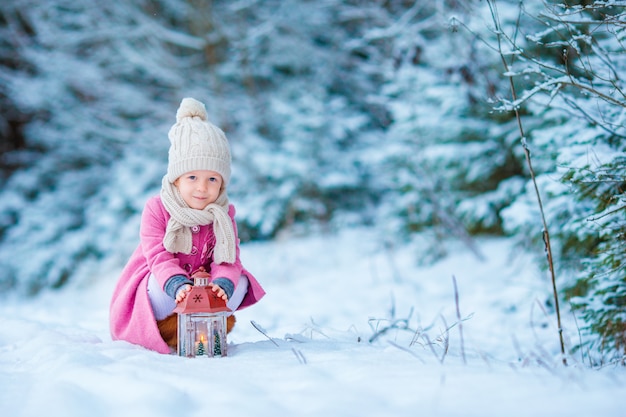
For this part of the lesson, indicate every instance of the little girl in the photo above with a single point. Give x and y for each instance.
(188, 230)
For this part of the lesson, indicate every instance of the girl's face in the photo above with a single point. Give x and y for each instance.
(199, 188)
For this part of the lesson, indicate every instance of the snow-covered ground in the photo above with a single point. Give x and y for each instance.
(327, 297)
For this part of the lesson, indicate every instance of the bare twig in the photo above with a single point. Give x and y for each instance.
(263, 332)
(458, 317)
(407, 350)
(545, 232)
(399, 324)
(432, 349)
(598, 217)
(445, 338)
(580, 338)
(299, 355)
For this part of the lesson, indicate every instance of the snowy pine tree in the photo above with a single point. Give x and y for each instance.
(217, 344)
(569, 81)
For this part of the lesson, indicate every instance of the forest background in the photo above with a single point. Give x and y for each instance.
(416, 118)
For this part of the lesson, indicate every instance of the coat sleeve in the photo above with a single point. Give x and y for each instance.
(161, 263)
(229, 271)
(235, 270)
(130, 315)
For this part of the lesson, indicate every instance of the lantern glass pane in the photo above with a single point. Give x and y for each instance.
(202, 334)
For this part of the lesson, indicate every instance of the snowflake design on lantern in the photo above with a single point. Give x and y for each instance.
(197, 298)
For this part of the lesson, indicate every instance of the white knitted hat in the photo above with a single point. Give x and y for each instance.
(196, 143)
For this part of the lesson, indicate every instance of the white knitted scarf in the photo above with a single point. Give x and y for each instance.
(178, 237)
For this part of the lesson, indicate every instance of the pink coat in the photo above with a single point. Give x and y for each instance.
(131, 317)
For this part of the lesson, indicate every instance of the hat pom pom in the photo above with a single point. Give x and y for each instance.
(190, 107)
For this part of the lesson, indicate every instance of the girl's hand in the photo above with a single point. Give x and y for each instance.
(219, 291)
(182, 292)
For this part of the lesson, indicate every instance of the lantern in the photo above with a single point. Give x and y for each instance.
(202, 322)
